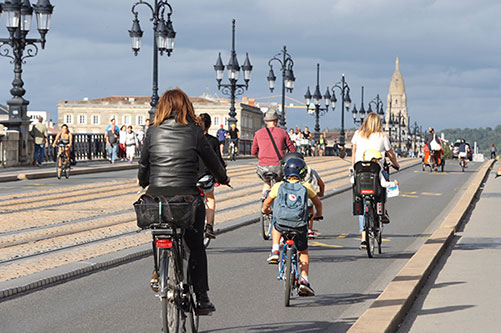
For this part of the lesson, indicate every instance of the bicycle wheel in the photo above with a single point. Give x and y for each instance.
(369, 235)
(192, 317)
(67, 171)
(59, 166)
(289, 277)
(462, 165)
(380, 236)
(168, 284)
(265, 226)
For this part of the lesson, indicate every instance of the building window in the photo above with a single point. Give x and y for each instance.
(126, 120)
(140, 120)
(68, 119)
(82, 119)
(95, 120)
(216, 121)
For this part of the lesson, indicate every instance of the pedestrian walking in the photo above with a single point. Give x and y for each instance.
(112, 136)
(121, 143)
(41, 136)
(131, 144)
(493, 151)
(221, 137)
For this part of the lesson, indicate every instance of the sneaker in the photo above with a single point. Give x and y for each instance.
(273, 257)
(209, 231)
(305, 289)
(384, 218)
(204, 305)
(312, 234)
(154, 282)
(363, 245)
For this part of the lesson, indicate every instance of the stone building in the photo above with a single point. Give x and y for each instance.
(93, 115)
(397, 98)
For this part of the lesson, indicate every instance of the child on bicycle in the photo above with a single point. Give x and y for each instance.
(292, 202)
(313, 178)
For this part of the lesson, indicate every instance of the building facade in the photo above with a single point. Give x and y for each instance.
(93, 115)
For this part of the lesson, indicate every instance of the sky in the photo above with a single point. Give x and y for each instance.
(449, 51)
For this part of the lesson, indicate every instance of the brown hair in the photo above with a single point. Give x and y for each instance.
(372, 124)
(205, 120)
(175, 100)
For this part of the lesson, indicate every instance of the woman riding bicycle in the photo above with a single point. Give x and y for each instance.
(371, 136)
(64, 141)
(169, 166)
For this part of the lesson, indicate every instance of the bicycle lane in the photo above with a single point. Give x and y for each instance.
(244, 288)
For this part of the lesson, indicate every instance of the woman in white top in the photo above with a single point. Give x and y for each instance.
(131, 144)
(371, 136)
(121, 141)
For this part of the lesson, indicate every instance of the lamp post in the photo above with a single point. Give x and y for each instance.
(288, 78)
(233, 88)
(360, 112)
(18, 22)
(317, 100)
(378, 104)
(163, 39)
(344, 90)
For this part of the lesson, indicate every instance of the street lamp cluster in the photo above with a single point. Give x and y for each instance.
(233, 88)
(288, 78)
(163, 39)
(18, 16)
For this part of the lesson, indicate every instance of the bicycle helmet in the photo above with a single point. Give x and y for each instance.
(292, 155)
(369, 154)
(295, 167)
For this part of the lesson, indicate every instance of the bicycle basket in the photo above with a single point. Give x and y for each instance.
(367, 179)
(177, 211)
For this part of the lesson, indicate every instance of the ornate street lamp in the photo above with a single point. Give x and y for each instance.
(344, 90)
(233, 88)
(378, 104)
(18, 16)
(316, 110)
(163, 39)
(288, 78)
(360, 112)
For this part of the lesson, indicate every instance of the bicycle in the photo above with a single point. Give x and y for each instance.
(266, 220)
(288, 268)
(368, 193)
(232, 150)
(462, 163)
(205, 183)
(63, 163)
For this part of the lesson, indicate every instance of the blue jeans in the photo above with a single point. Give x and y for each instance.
(39, 153)
(361, 217)
(112, 151)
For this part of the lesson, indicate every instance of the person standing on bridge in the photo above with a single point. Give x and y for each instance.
(371, 136)
(263, 148)
(41, 136)
(112, 135)
(169, 166)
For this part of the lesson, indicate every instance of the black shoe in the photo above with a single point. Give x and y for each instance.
(384, 218)
(204, 305)
(363, 245)
(305, 289)
(209, 231)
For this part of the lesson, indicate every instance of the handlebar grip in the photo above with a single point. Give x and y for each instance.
(318, 218)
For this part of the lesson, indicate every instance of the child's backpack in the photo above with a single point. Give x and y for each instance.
(290, 208)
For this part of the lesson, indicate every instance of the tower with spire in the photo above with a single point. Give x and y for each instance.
(397, 99)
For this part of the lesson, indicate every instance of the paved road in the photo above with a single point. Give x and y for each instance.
(245, 290)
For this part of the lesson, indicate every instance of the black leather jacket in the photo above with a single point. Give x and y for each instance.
(170, 156)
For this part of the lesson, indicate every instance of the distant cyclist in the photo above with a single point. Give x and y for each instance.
(263, 149)
(371, 136)
(206, 177)
(64, 141)
(289, 194)
(233, 135)
(463, 152)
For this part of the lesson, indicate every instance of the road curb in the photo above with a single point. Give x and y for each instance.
(71, 271)
(392, 305)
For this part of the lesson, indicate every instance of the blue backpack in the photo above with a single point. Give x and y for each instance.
(290, 208)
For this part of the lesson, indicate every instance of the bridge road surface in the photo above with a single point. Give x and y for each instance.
(247, 295)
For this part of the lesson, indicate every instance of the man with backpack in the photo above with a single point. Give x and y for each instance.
(269, 146)
(290, 211)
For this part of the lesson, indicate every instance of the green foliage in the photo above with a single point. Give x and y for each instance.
(484, 137)
(447, 151)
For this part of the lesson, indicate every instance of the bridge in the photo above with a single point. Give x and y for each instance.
(72, 258)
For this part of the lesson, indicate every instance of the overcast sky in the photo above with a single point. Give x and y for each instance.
(449, 53)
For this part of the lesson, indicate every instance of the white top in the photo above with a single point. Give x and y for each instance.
(122, 138)
(130, 139)
(378, 141)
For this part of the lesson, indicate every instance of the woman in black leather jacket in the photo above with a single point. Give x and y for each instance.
(169, 166)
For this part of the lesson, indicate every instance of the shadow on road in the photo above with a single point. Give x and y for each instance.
(309, 327)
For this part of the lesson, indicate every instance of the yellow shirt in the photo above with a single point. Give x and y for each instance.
(309, 188)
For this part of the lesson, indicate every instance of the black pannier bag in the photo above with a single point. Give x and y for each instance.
(177, 211)
(366, 183)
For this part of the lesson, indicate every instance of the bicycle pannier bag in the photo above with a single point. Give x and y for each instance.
(177, 211)
(434, 145)
(290, 208)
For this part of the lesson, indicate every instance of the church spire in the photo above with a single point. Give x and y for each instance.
(397, 64)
